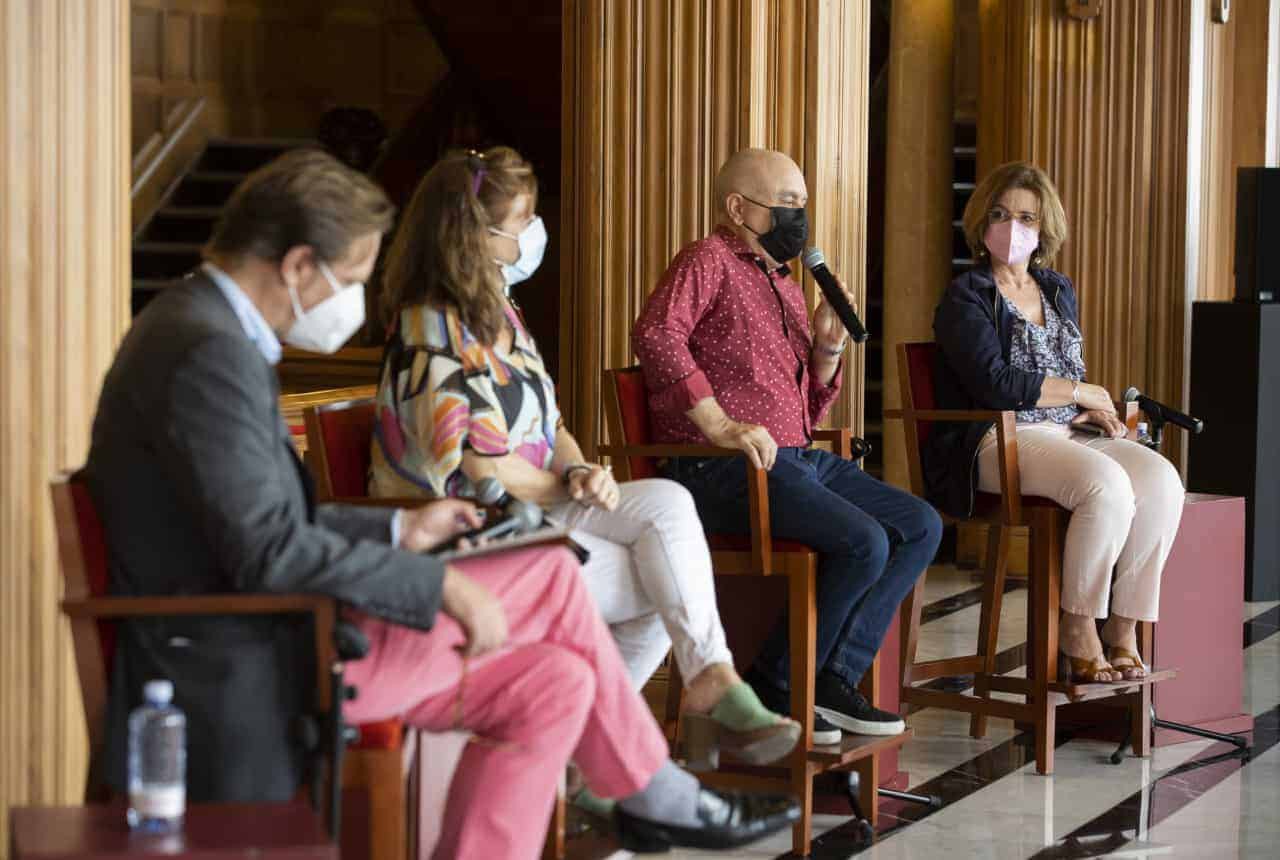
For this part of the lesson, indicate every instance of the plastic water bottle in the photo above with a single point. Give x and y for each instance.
(1144, 435)
(157, 762)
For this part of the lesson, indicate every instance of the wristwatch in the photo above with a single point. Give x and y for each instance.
(833, 352)
(1075, 394)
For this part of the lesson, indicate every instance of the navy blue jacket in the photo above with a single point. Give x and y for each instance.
(973, 329)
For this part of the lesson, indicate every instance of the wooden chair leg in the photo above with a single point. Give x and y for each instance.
(868, 784)
(1046, 552)
(380, 773)
(802, 612)
(1140, 720)
(553, 848)
(909, 638)
(989, 620)
(675, 700)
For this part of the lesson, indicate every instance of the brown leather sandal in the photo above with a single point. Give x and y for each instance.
(1085, 670)
(1127, 663)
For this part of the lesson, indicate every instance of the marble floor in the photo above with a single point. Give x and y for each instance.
(1187, 800)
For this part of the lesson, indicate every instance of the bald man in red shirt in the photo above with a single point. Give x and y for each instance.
(730, 359)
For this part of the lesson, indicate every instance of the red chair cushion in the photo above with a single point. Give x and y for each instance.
(633, 403)
(347, 433)
(742, 543)
(93, 549)
(921, 358)
(382, 735)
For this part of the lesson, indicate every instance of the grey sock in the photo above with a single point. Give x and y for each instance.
(670, 797)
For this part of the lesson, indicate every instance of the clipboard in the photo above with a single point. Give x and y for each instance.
(553, 536)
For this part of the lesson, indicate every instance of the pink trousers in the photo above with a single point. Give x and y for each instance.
(557, 690)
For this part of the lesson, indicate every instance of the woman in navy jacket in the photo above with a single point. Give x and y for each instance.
(1009, 338)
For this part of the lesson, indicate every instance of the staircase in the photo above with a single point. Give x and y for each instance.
(168, 245)
(964, 177)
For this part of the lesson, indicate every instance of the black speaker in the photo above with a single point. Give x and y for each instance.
(1235, 390)
(1257, 234)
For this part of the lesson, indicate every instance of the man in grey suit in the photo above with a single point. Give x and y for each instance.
(199, 489)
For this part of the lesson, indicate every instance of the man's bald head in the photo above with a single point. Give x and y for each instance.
(764, 175)
(749, 185)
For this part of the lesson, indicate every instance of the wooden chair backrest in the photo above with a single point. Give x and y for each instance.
(294, 406)
(82, 551)
(338, 438)
(916, 363)
(626, 410)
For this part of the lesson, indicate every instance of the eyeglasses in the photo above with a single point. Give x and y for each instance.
(999, 215)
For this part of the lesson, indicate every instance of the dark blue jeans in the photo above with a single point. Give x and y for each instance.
(873, 541)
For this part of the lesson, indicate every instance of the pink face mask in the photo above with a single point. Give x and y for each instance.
(1011, 242)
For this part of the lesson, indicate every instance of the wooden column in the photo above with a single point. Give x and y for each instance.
(656, 97)
(1103, 104)
(64, 270)
(918, 195)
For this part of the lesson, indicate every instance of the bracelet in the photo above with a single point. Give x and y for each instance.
(832, 352)
(1075, 394)
(569, 470)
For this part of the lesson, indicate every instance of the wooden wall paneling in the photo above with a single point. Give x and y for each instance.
(918, 192)
(656, 96)
(1101, 104)
(1214, 278)
(64, 164)
(837, 93)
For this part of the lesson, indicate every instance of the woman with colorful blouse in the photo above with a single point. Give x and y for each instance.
(465, 395)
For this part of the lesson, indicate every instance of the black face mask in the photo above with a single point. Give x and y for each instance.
(785, 239)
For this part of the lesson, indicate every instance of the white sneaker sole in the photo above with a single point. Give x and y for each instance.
(861, 727)
(827, 738)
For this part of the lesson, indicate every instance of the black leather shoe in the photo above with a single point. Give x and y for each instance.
(729, 819)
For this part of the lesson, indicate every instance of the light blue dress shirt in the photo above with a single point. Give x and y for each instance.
(258, 331)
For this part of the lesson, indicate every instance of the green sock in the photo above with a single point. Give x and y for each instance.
(600, 806)
(740, 709)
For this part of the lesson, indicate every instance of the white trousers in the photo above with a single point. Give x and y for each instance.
(650, 576)
(1125, 502)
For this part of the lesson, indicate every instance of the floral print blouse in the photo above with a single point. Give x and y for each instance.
(442, 393)
(1054, 349)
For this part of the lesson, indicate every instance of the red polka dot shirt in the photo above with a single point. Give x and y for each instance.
(720, 325)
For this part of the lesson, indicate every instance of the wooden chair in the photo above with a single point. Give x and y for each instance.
(339, 435)
(634, 457)
(82, 549)
(1047, 522)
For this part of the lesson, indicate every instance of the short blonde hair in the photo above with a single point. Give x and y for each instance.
(1017, 174)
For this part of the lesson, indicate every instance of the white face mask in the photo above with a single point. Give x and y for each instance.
(327, 326)
(533, 243)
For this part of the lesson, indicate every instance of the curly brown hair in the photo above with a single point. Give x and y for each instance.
(1017, 174)
(440, 255)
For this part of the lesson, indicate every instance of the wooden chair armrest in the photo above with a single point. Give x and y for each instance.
(205, 604)
(839, 438)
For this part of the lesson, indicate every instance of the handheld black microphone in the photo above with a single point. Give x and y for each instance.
(518, 516)
(1157, 410)
(817, 266)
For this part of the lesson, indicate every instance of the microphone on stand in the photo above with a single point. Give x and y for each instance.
(1158, 412)
(816, 263)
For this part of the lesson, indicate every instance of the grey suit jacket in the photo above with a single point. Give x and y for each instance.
(200, 491)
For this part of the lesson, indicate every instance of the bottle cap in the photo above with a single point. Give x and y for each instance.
(158, 692)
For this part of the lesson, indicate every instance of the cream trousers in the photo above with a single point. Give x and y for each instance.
(1125, 502)
(650, 577)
